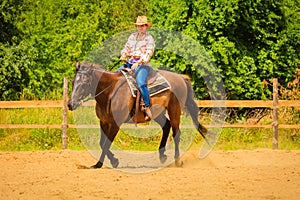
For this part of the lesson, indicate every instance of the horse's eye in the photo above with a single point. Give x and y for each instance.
(85, 79)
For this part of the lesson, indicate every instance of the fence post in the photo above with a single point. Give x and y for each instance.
(275, 113)
(65, 115)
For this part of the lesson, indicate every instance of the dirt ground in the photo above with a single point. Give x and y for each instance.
(256, 174)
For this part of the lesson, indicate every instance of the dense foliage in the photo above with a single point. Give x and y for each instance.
(250, 42)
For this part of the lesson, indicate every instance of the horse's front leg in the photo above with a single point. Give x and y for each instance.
(105, 144)
(108, 133)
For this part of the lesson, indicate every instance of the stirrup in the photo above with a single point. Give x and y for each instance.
(148, 114)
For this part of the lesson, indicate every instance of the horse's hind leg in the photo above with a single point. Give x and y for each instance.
(166, 126)
(176, 136)
(174, 114)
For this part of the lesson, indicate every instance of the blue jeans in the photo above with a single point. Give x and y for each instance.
(141, 74)
(141, 79)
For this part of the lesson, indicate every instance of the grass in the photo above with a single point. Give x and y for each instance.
(145, 139)
(34, 139)
(233, 139)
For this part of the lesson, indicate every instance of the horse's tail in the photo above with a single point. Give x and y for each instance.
(192, 107)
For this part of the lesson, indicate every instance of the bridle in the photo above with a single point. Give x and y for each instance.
(89, 85)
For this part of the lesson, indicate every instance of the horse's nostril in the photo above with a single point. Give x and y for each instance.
(70, 106)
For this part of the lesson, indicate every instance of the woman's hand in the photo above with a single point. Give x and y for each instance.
(134, 66)
(123, 58)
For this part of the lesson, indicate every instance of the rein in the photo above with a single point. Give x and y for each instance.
(93, 97)
(102, 91)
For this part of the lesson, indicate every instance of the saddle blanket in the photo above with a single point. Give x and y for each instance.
(159, 85)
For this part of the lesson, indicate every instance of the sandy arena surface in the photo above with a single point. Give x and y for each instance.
(256, 174)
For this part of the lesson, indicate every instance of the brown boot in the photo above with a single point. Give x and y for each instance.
(148, 114)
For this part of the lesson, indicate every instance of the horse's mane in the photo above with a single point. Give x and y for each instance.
(87, 64)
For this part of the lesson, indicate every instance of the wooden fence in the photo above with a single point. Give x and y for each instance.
(273, 104)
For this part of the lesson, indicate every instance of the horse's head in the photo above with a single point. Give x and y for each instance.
(82, 85)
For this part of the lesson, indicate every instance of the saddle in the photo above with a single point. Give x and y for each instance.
(156, 84)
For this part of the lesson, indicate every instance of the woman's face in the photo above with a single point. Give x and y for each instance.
(141, 28)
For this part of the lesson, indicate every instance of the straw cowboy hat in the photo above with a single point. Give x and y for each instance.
(141, 20)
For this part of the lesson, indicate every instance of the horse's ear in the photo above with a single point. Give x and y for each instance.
(77, 66)
(90, 68)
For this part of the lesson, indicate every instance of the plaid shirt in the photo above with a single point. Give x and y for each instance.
(142, 48)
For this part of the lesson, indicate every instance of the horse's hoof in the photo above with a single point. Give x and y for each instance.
(163, 158)
(115, 163)
(97, 166)
(178, 163)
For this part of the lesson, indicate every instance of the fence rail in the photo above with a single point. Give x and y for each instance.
(200, 103)
(273, 104)
(60, 126)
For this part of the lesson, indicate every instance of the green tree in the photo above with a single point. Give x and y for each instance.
(51, 36)
(9, 11)
(249, 41)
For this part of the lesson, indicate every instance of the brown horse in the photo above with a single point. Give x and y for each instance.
(114, 105)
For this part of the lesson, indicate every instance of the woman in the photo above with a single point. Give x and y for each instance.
(137, 53)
